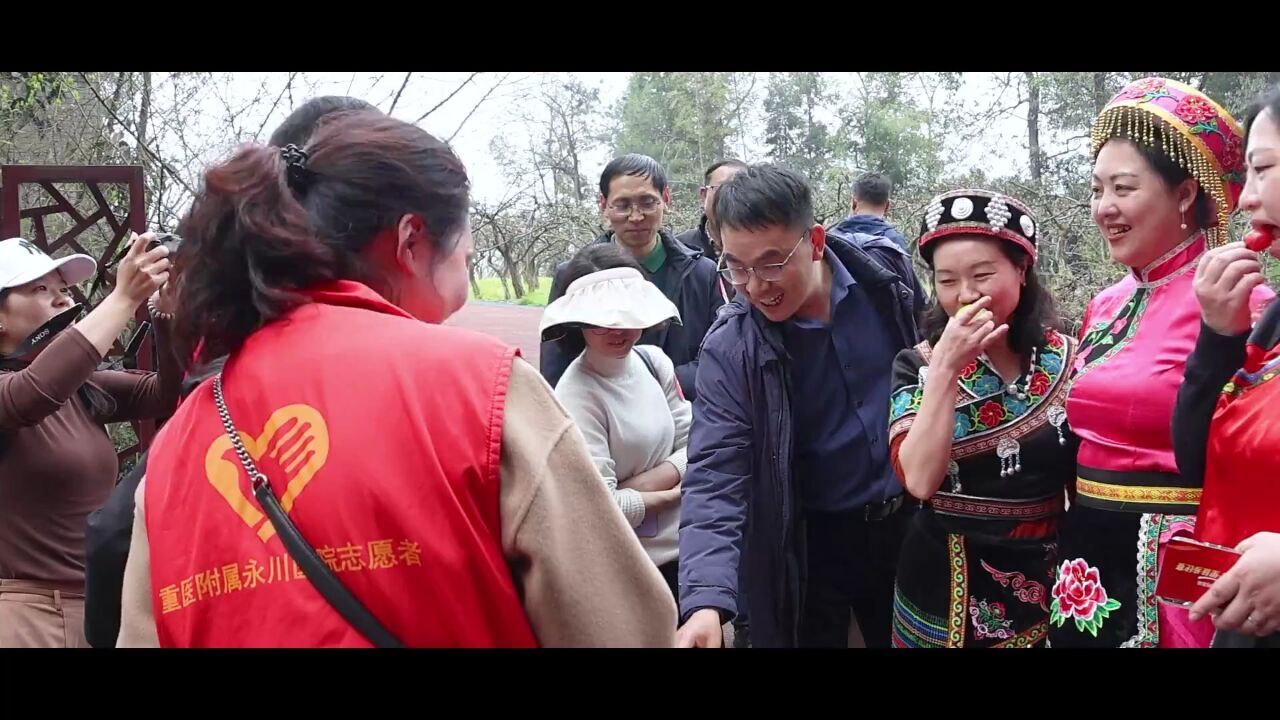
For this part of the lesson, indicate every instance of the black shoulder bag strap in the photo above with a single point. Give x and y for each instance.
(649, 364)
(321, 577)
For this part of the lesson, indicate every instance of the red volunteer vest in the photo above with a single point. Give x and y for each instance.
(1242, 465)
(381, 435)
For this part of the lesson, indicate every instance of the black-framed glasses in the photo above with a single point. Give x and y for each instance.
(772, 272)
(645, 206)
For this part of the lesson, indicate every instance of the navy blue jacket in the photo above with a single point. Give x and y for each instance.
(698, 239)
(872, 225)
(741, 515)
(693, 291)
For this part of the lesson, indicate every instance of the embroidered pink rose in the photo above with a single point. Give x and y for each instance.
(1142, 88)
(1194, 110)
(1053, 340)
(969, 369)
(1078, 595)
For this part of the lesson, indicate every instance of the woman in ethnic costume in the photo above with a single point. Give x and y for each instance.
(1167, 174)
(1226, 426)
(976, 431)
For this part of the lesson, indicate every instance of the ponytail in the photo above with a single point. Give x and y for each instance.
(247, 231)
(263, 229)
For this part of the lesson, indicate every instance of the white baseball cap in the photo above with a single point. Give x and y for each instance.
(21, 261)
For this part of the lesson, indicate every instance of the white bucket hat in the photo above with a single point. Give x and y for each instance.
(617, 298)
(21, 262)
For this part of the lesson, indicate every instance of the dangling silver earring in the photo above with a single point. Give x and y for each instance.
(1182, 214)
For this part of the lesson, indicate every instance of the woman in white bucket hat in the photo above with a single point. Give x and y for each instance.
(625, 398)
(57, 463)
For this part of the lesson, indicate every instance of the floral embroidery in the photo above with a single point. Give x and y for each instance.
(1029, 637)
(991, 413)
(1193, 110)
(1105, 339)
(984, 405)
(1079, 595)
(989, 620)
(1027, 591)
(1146, 89)
(1051, 363)
(901, 403)
(1234, 156)
(1039, 384)
(986, 385)
(1015, 406)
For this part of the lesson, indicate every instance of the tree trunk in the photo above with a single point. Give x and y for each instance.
(475, 283)
(144, 119)
(1033, 128)
(513, 273)
(1099, 92)
(531, 275)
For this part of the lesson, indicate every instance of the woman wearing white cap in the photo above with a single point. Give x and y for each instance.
(57, 463)
(625, 398)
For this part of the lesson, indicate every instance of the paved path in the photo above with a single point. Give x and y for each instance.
(514, 324)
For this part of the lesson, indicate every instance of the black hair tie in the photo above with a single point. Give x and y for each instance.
(297, 175)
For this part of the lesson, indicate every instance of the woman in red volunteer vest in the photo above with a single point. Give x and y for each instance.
(429, 467)
(1227, 422)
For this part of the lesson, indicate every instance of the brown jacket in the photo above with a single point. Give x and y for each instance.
(57, 463)
(584, 579)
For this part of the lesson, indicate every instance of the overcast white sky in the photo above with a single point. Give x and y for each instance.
(1001, 149)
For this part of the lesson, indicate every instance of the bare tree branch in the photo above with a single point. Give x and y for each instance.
(477, 107)
(287, 86)
(447, 99)
(403, 85)
(172, 173)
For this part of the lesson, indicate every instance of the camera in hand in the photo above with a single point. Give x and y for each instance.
(168, 240)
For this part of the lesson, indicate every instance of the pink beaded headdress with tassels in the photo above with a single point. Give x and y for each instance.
(1195, 132)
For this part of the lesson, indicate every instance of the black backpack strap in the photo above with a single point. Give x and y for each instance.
(653, 370)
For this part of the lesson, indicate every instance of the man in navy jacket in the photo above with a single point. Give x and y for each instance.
(789, 489)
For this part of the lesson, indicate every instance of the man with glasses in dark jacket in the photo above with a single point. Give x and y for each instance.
(789, 489)
(634, 196)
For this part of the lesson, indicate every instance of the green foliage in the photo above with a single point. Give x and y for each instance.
(684, 120)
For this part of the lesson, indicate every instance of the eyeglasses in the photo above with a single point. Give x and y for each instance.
(645, 206)
(739, 276)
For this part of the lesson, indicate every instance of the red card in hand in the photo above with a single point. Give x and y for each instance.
(1189, 568)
